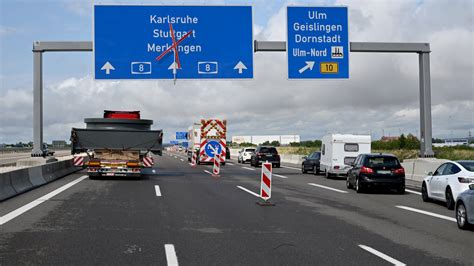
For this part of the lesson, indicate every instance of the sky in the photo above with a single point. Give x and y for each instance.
(380, 97)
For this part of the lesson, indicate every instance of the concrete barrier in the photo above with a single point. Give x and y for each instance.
(18, 181)
(417, 169)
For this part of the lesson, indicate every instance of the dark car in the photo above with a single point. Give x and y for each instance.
(264, 154)
(227, 152)
(311, 163)
(376, 170)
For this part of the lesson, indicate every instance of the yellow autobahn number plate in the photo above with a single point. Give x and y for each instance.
(329, 67)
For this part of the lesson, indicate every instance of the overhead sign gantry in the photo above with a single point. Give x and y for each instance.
(318, 42)
(169, 42)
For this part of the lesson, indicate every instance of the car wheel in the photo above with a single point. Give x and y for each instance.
(348, 183)
(302, 169)
(461, 216)
(424, 193)
(315, 170)
(278, 165)
(358, 188)
(449, 199)
(401, 190)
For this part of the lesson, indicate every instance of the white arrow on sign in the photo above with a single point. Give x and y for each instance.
(240, 66)
(107, 67)
(309, 64)
(173, 66)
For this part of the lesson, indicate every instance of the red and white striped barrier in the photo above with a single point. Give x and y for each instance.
(266, 182)
(148, 161)
(194, 159)
(78, 161)
(217, 165)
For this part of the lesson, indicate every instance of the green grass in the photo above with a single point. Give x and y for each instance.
(450, 153)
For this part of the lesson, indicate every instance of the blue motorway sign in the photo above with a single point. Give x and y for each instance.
(211, 147)
(174, 142)
(181, 135)
(318, 42)
(168, 42)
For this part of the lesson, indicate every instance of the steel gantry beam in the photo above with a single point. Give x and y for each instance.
(422, 49)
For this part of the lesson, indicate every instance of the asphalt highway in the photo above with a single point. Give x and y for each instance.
(9, 158)
(182, 215)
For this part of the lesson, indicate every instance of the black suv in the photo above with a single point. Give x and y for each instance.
(376, 170)
(263, 154)
(311, 163)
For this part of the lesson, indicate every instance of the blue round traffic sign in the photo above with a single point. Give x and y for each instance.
(212, 147)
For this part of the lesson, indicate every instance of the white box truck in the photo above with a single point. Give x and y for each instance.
(338, 152)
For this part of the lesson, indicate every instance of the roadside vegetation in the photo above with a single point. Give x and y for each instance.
(405, 147)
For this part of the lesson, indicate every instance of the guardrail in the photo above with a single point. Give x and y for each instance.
(18, 181)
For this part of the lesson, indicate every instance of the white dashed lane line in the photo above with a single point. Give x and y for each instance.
(382, 255)
(157, 191)
(328, 188)
(251, 169)
(289, 167)
(413, 192)
(171, 257)
(427, 213)
(249, 191)
(281, 176)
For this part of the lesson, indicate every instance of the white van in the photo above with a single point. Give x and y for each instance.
(338, 152)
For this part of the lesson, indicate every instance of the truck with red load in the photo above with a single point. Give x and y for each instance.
(119, 144)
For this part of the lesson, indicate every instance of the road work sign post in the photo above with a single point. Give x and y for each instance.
(217, 165)
(266, 184)
(318, 42)
(169, 42)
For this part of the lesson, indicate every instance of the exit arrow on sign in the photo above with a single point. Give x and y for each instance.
(240, 66)
(309, 64)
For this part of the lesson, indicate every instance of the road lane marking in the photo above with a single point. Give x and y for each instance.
(413, 192)
(158, 191)
(176, 157)
(427, 213)
(171, 257)
(328, 188)
(282, 176)
(249, 191)
(289, 167)
(251, 169)
(205, 171)
(382, 255)
(13, 214)
(182, 160)
(230, 163)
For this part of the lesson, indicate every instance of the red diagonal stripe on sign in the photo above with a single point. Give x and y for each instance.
(268, 166)
(221, 125)
(266, 180)
(264, 194)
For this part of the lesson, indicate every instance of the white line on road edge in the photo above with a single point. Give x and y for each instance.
(428, 213)
(230, 163)
(282, 176)
(249, 191)
(182, 160)
(251, 169)
(205, 171)
(176, 157)
(412, 191)
(329, 188)
(158, 191)
(11, 215)
(288, 167)
(381, 255)
(171, 257)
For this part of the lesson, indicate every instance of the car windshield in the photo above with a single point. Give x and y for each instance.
(250, 150)
(268, 150)
(382, 161)
(468, 165)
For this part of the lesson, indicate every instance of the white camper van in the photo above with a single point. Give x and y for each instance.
(338, 152)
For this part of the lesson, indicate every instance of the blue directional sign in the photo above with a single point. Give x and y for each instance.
(168, 42)
(211, 146)
(174, 142)
(181, 135)
(318, 42)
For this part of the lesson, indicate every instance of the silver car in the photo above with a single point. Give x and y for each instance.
(465, 208)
